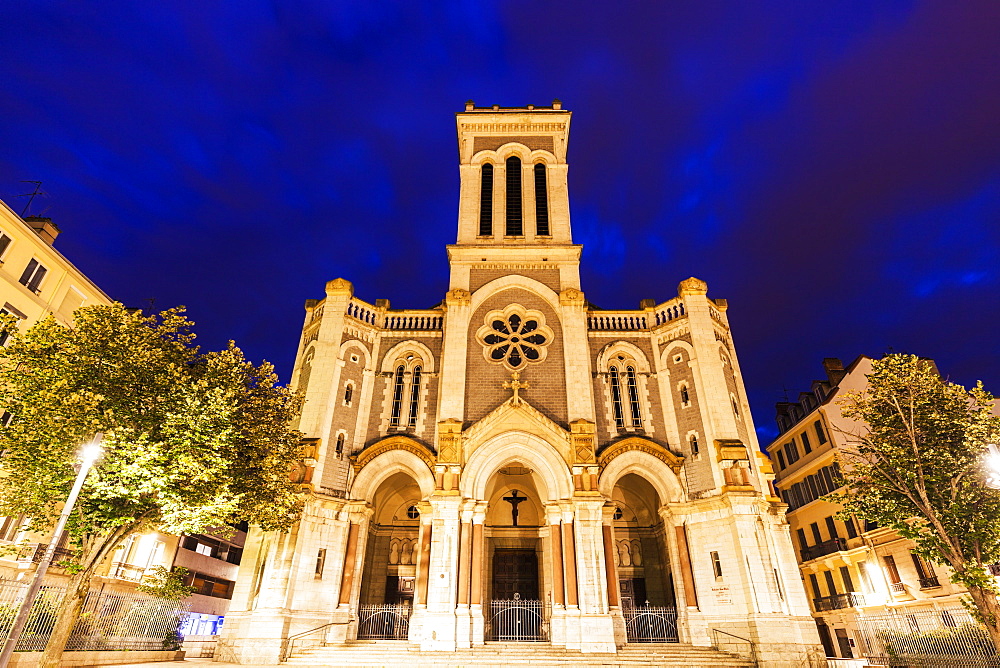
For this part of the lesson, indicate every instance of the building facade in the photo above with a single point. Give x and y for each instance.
(852, 570)
(515, 454)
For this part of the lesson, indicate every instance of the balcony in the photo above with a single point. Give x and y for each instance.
(35, 552)
(994, 569)
(898, 588)
(129, 572)
(838, 601)
(929, 582)
(822, 549)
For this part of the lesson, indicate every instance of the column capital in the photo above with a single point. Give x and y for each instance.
(553, 513)
(479, 513)
(608, 513)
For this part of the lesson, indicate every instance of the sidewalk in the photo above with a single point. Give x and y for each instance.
(187, 662)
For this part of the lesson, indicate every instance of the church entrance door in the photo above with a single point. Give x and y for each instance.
(515, 572)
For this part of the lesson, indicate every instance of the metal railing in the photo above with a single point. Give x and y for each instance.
(929, 582)
(823, 549)
(384, 622)
(300, 639)
(518, 620)
(948, 637)
(838, 601)
(724, 641)
(129, 572)
(897, 587)
(108, 620)
(33, 552)
(650, 624)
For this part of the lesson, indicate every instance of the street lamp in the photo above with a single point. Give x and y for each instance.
(88, 455)
(991, 462)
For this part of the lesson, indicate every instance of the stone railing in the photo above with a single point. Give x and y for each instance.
(668, 311)
(362, 311)
(617, 321)
(413, 320)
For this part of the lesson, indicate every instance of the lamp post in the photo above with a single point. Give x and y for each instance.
(991, 462)
(88, 456)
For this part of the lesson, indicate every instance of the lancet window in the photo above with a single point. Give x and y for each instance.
(486, 201)
(624, 384)
(407, 384)
(514, 217)
(541, 201)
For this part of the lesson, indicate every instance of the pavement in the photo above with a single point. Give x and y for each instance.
(186, 662)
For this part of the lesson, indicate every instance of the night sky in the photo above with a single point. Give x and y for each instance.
(832, 169)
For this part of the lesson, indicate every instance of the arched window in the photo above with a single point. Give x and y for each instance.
(486, 201)
(685, 397)
(340, 445)
(397, 397)
(414, 397)
(515, 226)
(348, 394)
(306, 370)
(616, 397)
(541, 201)
(693, 440)
(412, 512)
(633, 396)
(736, 408)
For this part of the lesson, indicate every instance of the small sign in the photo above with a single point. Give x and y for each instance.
(722, 595)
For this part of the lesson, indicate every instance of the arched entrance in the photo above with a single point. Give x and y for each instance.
(645, 577)
(389, 577)
(514, 579)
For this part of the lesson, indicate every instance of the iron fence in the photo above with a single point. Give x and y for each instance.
(926, 638)
(108, 620)
(518, 620)
(384, 622)
(650, 624)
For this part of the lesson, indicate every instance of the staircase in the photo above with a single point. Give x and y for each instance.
(400, 654)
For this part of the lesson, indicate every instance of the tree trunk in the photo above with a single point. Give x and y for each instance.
(989, 608)
(66, 618)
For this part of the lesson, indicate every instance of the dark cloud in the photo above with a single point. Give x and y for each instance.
(831, 169)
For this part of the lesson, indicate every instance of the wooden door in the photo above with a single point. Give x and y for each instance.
(515, 572)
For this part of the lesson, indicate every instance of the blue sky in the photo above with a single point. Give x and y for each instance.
(832, 169)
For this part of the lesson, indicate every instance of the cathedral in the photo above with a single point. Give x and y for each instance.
(515, 464)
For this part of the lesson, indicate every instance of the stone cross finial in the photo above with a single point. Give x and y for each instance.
(515, 385)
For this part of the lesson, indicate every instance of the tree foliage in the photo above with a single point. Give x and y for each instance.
(192, 440)
(916, 466)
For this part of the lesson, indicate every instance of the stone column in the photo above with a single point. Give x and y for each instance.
(557, 623)
(614, 591)
(476, 573)
(437, 621)
(463, 627)
(597, 633)
(347, 581)
(423, 556)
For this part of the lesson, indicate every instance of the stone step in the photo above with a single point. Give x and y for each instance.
(400, 654)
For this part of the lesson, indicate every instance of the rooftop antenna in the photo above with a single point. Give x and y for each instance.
(31, 196)
(784, 391)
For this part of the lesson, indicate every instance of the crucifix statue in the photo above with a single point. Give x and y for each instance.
(516, 385)
(513, 500)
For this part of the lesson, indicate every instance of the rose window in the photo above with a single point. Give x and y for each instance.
(514, 337)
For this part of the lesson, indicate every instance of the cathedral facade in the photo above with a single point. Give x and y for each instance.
(515, 464)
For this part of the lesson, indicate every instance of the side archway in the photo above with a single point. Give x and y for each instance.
(645, 458)
(397, 454)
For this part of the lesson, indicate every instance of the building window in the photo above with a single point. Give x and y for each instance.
(340, 445)
(736, 408)
(616, 397)
(618, 514)
(694, 444)
(541, 202)
(716, 565)
(830, 583)
(306, 369)
(515, 222)
(633, 395)
(33, 275)
(320, 562)
(845, 575)
(806, 445)
(4, 243)
(685, 397)
(802, 539)
(852, 532)
(820, 434)
(414, 397)
(791, 452)
(348, 394)
(397, 397)
(831, 527)
(412, 512)
(817, 536)
(486, 201)
(781, 461)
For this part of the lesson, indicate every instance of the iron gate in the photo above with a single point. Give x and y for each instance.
(518, 620)
(651, 624)
(384, 622)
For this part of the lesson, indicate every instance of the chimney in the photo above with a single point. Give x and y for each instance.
(834, 370)
(43, 227)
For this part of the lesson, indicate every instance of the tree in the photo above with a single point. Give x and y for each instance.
(192, 440)
(916, 467)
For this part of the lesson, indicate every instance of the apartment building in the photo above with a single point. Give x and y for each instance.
(849, 568)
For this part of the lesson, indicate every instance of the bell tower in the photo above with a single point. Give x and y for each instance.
(514, 199)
